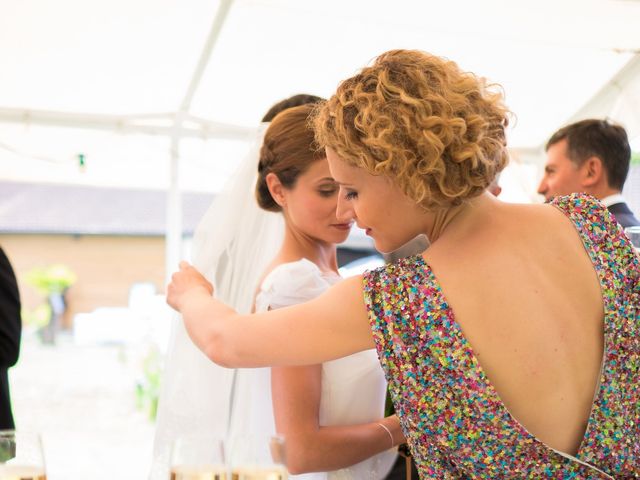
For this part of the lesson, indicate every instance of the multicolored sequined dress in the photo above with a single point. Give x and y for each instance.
(455, 423)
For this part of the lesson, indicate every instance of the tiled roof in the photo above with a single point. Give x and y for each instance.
(83, 210)
(72, 209)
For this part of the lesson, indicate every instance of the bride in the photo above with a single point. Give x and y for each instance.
(330, 413)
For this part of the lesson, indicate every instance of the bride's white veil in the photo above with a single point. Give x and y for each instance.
(232, 246)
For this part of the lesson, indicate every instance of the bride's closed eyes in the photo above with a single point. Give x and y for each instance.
(328, 190)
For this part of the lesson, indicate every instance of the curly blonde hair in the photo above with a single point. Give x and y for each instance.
(437, 132)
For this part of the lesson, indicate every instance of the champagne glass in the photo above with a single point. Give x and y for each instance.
(21, 456)
(257, 458)
(198, 457)
(634, 235)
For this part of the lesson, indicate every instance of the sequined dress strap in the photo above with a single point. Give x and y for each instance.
(612, 438)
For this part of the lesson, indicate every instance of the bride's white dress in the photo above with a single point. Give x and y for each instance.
(353, 387)
(199, 396)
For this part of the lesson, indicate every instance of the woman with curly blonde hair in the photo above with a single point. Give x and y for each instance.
(510, 344)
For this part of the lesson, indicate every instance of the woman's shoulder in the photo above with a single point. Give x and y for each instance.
(589, 216)
(592, 219)
(582, 204)
(574, 205)
(293, 282)
(292, 273)
(401, 271)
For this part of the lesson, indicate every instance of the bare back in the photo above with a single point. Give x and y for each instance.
(528, 300)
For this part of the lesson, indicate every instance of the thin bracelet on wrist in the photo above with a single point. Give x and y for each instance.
(386, 429)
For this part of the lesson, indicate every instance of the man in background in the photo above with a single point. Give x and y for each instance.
(10, 330)
(591, 156)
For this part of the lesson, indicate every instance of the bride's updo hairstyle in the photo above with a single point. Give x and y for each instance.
(288, 149)
(436, 131)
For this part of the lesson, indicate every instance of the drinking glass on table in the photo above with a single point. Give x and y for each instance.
(257, 458)
(198, 457)
(21, 456)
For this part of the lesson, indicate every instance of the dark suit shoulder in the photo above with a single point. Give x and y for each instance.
(624, 215)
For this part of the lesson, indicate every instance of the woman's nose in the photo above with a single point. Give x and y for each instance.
(344, 211)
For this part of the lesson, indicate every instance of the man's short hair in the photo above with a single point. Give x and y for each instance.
(597, 138)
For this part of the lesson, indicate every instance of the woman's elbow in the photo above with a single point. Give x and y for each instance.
(224, 343)
(296, 466)
(219, 352)
(299, 459)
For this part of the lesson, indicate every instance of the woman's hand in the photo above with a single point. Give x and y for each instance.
(185, 282)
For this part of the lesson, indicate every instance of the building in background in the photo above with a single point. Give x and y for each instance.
(111, 238)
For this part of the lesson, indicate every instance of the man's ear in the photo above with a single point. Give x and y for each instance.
(593, 172)
(276, 189)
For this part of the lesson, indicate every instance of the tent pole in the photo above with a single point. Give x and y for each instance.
(146, 124)
(173, 244)
(214, 33)
(173, 237)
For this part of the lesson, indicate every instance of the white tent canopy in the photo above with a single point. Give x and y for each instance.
(137, 58)
(79, 76)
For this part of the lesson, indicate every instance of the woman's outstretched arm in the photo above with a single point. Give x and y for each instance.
(331, 326)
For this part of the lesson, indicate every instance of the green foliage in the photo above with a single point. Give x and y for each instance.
(148, 388)
(52, 279)
(39, 317)
(635, 158)
(388, 405)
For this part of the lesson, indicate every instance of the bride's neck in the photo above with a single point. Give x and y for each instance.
(297, 246)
